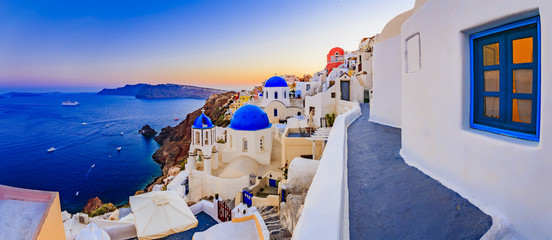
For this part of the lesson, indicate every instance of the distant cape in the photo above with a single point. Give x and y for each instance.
(147, 91)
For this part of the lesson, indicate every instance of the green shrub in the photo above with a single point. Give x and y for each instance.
(109, 207)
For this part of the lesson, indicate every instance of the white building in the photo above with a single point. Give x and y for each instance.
(464, 82)
(275, 89)
(249, 135)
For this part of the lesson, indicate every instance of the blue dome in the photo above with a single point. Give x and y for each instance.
(203, 122)
(276, 82)
(249, 118)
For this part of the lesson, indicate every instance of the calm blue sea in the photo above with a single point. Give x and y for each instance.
(31, 125)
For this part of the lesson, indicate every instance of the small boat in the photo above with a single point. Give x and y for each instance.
(51, 149)
(109, 157)
(70, 103)
(119, 149)
(107, 125)
(84, 123)
(176, 119)
(122, 133)
(93, 165)
(77, 194)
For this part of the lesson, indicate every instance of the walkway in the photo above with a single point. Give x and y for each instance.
(390, 200)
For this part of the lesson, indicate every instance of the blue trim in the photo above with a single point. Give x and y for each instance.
(504, 127)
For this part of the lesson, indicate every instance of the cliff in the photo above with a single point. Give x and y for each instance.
(176, 140)
(175, 91)
(147, 91)
(127, 90)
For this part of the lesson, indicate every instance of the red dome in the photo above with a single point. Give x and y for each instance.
(332, 58)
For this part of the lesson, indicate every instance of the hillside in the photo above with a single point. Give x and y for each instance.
(127, 90)
(147, 91)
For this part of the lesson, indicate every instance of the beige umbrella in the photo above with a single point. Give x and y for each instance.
(161, 213)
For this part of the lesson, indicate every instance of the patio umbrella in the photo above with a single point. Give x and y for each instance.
(161, 213)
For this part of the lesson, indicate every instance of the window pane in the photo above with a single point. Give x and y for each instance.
(490, 54)
(522, 50)
(523, 81)
(492, 80)
(492, 105)
(521, 110)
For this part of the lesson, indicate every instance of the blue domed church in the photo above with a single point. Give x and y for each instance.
(249, 134)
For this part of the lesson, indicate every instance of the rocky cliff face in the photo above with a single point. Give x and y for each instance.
(127, 90)
(148, 91)
(176, 140)
(175, 91)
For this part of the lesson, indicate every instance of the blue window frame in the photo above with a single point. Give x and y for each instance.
(505, 80)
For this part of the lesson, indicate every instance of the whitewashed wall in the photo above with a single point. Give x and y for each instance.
(385, 106)
(507, 178)
(204, 185)
(325, 214)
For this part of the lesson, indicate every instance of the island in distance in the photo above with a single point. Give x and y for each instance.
(147, 91)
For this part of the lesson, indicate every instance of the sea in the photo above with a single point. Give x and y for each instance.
(86, 138)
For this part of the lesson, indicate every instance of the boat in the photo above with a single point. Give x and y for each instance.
(93, 165)
(107, 125)
(176, 119)
(70, 103)
(119, 149)
(122, 133)
(51, 149)
(84, 123)
(77, 194)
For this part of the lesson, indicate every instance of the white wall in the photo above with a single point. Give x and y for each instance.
(385, 106)
(204, 185)
(323, 103)
(283, 95)
(507, 178)
(325, 214)
(253, 145)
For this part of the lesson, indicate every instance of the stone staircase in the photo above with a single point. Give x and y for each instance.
(272, 221)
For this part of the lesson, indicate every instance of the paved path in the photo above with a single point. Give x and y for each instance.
(390, 200)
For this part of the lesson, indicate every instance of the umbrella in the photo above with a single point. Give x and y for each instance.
(161, 213)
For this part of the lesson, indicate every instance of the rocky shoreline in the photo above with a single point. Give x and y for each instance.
(175, 141)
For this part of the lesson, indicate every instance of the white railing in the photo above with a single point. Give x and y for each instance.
(325, 213)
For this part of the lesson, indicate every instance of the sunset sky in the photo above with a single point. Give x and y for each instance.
(88, 45)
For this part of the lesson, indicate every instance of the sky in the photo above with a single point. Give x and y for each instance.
(88, 45)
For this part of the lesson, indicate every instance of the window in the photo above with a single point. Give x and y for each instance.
(245, 144)
(275, 95)
(333, 94)
(505, 92)
(197, 139)
(298, 113)
(266, 94)
(230, 142)
(261, 143)
(308, 87)
(285, 93)
(206, 138)
(413, 58)
(275, 112)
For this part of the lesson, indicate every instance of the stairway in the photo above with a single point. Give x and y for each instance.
(272, 221)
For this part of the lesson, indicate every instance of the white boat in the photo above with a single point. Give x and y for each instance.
(119, 149)
(70, 103)
(107, 125)
(76, 194)
(93, 165)
(122, 133)
(51, 149)
(84, 123)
